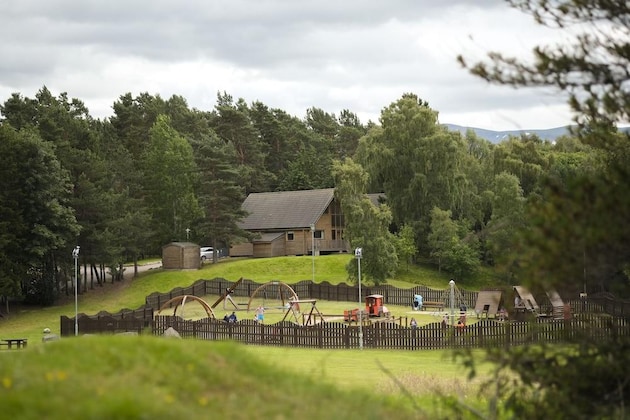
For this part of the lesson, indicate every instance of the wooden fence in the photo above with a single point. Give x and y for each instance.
(135, 320)
(306, 289)
(126, 320)
(336, 335)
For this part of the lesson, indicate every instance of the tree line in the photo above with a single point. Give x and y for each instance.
(158, 171)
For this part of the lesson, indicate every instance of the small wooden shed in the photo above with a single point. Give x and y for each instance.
(181, 255)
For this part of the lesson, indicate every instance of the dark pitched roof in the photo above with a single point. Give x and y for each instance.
(285, 209)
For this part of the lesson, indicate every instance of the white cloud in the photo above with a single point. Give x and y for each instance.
(334, 55)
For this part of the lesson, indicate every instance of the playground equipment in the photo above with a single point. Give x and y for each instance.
(373, 308)
(307, 319)
(181, 301)
(559, 309)
(226, 296)
(273, 295)
(488, 303)
(524, 300)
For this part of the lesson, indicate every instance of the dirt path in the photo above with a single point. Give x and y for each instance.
(129, 271)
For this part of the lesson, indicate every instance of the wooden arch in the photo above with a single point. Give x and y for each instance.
(182, 300)
(284, 293)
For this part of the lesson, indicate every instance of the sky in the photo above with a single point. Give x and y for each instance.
(359, 55)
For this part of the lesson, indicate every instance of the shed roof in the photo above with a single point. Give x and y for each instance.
(285, 209)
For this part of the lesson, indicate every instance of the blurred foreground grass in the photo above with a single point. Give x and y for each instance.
(132, 377)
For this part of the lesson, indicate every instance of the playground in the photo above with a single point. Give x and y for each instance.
(276, 301)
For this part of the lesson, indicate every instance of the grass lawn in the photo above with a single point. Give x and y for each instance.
(105, 368)
(420, 373)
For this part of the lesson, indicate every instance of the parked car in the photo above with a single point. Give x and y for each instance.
(206, 252)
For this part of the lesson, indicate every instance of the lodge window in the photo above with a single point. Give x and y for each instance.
(290, 236)
(318, 234)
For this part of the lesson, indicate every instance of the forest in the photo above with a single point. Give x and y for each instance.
(158, 171)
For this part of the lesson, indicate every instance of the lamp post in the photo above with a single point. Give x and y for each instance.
(75, 255)
(187, 234)
(313, 248)
(452, 284)
(358, 253)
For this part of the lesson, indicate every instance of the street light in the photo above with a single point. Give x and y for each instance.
(75, 255)
(313, 248)
(452, 284)
(358, 253)
(187, 234)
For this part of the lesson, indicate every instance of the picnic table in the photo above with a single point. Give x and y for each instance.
(15, 342)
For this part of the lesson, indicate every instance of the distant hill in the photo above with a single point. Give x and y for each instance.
(499, 136)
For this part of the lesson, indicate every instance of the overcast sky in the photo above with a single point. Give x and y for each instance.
(359, 55)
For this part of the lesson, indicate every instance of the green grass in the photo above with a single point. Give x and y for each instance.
(103, 377)
(421, 373)
(330, 268)
(91, 377)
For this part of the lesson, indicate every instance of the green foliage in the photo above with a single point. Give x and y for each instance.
(586, 380)
(405, 245)
(35, 212)
(577, 238)
(232, 123)
(220, 194)
(508, 219)
(415, 162)
(524, 158)
(366, 224)
(457, 253)
(170, 176)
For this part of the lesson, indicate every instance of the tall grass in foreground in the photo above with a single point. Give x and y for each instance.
(158, 378)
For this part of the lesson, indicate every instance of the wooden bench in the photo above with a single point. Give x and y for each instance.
(432, 304)
(14, 342)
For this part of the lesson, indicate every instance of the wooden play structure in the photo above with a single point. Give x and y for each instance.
(313, 317)
(524, 304)
(524, 300)
(273, 295)
(489, 302)
(557, 304)
(227, 296)
(180, 301)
